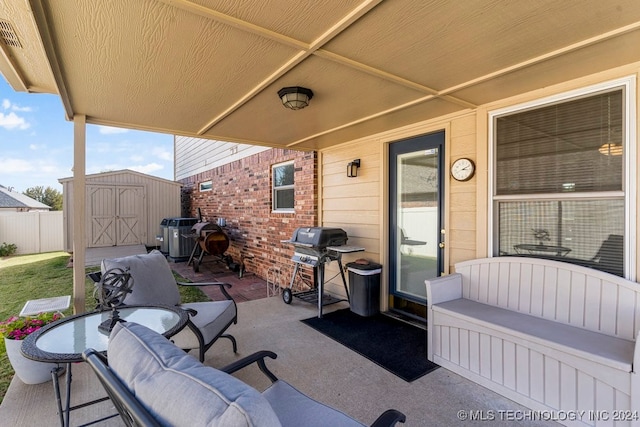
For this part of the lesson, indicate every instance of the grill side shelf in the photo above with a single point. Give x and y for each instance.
(345, 249)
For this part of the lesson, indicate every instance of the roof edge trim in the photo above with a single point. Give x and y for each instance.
(42, 24)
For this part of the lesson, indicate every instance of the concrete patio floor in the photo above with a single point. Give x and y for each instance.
(312, 362)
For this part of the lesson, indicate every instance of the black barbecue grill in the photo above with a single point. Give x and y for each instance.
(316, 246)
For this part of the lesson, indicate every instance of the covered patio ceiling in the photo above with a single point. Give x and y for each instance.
(212, 68)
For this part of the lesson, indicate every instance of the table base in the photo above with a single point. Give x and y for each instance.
(64, 410)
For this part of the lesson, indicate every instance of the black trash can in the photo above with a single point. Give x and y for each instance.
(364, 287)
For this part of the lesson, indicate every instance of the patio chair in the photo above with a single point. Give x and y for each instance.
(610, 255)
(154, 283)
(167, 387)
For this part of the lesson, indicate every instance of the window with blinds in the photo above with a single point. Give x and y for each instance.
(559, 181)
(283, 187)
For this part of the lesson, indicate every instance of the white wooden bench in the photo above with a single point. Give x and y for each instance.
(549, 335)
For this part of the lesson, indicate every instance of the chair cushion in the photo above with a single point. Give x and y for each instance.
(212, 319)
(294, 409)
(153, 281)
(177, 389)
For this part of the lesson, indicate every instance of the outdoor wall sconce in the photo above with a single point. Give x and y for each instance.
(352, 168)
(295, 97)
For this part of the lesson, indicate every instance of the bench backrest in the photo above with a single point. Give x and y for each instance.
(558, 291)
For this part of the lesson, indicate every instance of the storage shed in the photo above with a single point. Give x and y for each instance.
(123, 208)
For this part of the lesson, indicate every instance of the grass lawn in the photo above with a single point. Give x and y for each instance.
(28, 277)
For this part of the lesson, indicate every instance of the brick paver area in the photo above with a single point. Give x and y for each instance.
(247, 288)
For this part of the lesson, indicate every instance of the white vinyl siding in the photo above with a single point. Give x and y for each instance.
(197, 155)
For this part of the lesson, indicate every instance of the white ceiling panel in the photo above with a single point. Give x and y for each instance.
(211, 68)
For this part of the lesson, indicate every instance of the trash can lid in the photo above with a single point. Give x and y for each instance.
(363, 264)
(365, 272)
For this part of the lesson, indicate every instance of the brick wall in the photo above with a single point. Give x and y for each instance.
(241, 194)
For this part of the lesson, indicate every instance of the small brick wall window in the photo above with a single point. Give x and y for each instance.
(206, 186)
(283, 187)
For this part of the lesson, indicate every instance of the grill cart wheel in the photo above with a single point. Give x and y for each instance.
(287, 296)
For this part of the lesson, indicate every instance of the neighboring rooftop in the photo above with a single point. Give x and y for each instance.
(12, 199)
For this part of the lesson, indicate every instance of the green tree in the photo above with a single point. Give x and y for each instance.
(49, 196)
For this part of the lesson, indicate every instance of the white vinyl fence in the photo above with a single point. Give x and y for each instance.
(32, 232)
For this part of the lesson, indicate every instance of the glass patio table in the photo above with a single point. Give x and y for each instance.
(541, 249)
(63, 342)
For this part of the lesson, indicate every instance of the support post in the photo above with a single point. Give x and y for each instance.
(79, 212)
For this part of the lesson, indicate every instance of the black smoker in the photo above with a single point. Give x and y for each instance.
(316, 246)
(210, 239)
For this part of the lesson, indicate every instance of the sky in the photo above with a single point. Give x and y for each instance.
(36, 144)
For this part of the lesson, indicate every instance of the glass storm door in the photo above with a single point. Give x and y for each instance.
(415, 167)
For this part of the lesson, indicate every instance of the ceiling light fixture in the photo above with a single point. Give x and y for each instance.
(295, 97)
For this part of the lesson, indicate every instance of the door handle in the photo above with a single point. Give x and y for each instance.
(441, 245)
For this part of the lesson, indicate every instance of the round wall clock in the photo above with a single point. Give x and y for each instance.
(463, 169)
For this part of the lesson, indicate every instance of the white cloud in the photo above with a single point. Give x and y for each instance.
(18, 108)
(12, 121)
(6, 104)
(32, 167)
(108, 130)
(137, 151)
(148, 168)
(12, 165)
(50, 168)
(162, 153)
(42, 173)
(99, 147)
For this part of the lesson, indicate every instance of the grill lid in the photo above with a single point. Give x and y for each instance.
(318, 237)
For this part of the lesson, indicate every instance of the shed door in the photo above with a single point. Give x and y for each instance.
(116, 215)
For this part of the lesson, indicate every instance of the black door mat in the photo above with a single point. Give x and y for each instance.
(392, 344)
